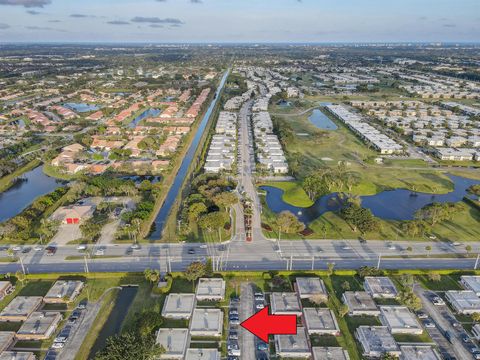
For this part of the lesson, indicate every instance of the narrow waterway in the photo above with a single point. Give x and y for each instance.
(28, 187)
(182, 172)
(114, 322)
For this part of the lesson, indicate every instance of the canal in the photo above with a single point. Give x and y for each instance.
(113, 325)
(31, 185)
(182, 172)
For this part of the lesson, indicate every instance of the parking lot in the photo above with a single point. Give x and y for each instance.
(448, 333)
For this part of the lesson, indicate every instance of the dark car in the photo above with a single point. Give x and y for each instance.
(82, 304)
(191, 251)
(51, 355)
(262, 346)
(465, 338)
(448, 336)
(51, 250)
(233, 335)
(26, 250)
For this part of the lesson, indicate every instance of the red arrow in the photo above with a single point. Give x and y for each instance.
(263, 324)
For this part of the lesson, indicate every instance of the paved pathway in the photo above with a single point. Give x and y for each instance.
(247, 340)
(69, 352)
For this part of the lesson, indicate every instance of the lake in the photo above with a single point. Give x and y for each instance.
(322, 121)
(113, 325)
(81, 107)
(144, 115)
(399, 204)
(33, 184)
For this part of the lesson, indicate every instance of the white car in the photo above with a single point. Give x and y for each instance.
(38, 248)
(135, 247)
(17, 248)
(100, 252)
(81, 247)
(58, 345)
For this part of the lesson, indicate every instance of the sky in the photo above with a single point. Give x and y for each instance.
(209, 21)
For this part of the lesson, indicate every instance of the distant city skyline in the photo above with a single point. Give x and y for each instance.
(204, 21)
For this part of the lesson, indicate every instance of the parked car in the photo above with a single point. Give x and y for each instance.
(422, 315)
(262, 346)
(58, 345)
(233, 311)
(82, 305)
(100, 252)
(38, 248)
(233, 335)
(437, 300)
(82, 247)
(191, 251)
(428, 324)
(259, 305)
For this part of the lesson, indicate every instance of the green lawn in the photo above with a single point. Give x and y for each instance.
(327, 148)
(293, 193)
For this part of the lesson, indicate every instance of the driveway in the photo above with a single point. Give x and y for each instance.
(247, 342)
(107, 235)
(67, 233)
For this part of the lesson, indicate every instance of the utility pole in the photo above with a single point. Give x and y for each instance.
(291, 262)
(21, 263)
(313, 263)
(169, 264)
(86, 263)
(476, 262)
(379, 261)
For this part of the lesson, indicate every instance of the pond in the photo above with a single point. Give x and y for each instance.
(322, 121)
(399, 204)
(137, 179)
(113, 325)
(284, 104)
(31, 185)
(144, 115)
(81, 107)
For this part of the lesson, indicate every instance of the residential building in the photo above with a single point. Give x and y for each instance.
(464, 302)
(178, 306)
(63, 291)
(320, 321)
(20, 308)
(330, 353)
(293, 346)
(212, 289)
(207, 322)
(360, 303)
(380, 287)
(174, 341)
(285, 304)
(400, 320)
(376, 341)
(39, 326)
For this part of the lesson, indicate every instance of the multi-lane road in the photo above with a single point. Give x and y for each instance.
(260, 254)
